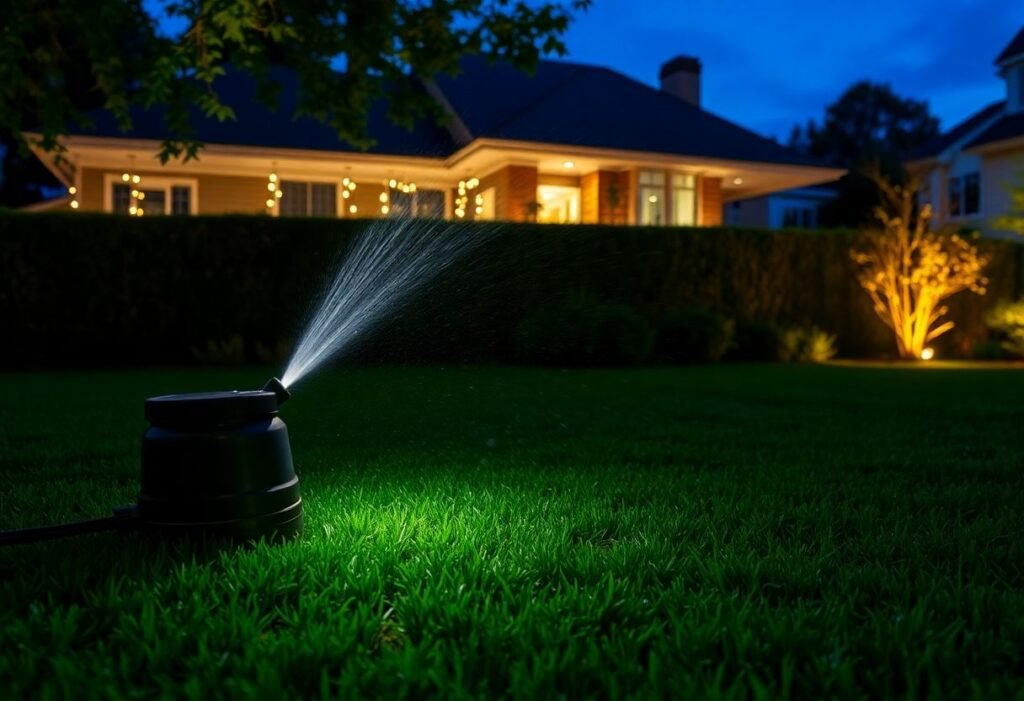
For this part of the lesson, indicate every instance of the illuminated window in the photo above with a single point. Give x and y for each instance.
(428, 204)
(684, 200)
(651, 191)
(158, 196)
(558, 204)
(300, 199)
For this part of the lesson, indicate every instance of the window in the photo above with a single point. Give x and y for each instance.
(301, 199)
(428, 204)
(965, 195)
(651, 191)
(157, 196)
(684, 200)
(558, 204)
(798, 218)
(972, 193)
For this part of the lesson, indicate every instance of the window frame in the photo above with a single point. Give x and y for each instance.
(960, 180)
(161, 182)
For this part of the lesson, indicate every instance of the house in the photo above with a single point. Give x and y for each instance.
(799, 208)
(570, 143)
(967, 173)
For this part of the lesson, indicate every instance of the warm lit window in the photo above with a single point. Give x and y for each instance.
(156, 196)
(300, 199)
(428, 204)
(684, 200)
(965, 195)
(558, 204)
(651, 190)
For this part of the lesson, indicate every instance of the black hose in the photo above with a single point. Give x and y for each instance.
(124, 518)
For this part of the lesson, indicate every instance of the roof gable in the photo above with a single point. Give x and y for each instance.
(961, 131)
(1014, 49)
(580, 105)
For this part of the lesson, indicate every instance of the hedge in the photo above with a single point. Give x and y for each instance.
(80, 289)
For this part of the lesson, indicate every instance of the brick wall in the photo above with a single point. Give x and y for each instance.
(710, 202)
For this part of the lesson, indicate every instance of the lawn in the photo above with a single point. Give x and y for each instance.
(723, 532)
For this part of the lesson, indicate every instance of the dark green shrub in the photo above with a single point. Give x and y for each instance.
(694, 336)
(755, 341)
(1007, 319)
(581, 333)
(989, 349)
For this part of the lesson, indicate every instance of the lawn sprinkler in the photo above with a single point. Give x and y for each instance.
(213, 464)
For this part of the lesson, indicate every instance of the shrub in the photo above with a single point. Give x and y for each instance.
(695, 336)
(806, 345)
(990, 349)
(1007, 319)
(755, 341)
(585, 333)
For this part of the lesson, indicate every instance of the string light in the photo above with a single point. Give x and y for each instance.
(274, 188)
(73, 191)
(136, 195)
(462, 201)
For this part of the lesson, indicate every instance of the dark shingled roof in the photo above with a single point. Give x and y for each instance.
(582, 105)
(258, 125)
(1009, 126)
(562, 103)
(1014, 48)
(943, 141)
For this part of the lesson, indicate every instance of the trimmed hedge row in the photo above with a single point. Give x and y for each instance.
(81, 289)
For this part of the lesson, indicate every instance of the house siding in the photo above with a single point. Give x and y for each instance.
(710, 202)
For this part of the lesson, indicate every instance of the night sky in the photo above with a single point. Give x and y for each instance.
(768, 64)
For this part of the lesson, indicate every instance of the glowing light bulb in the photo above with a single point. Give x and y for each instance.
(139, 213)
(652, 199)
(392, 183)
(272, 177)
(927, 354)
(412, 187)
(352, 186)
(125, 177)
(135, 194)
(74, 204)
(142, 195)
(479, 210)
(353, 209)
(568, 165)
(136, 179)
(133, 210)
(270, 203)
(346, 194)
(72, 190)
(479, 199)
(345, 181)
(278, 194)
(384, 209)
(737, 181)
(383, 197)
(271, 186)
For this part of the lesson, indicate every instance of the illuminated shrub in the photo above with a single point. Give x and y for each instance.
(909, 272)
(1007, 319)
(806, 345)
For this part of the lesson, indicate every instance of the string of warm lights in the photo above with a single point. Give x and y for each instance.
(73, 191)
(274, 188)
(461, 202)
(348, 186)
(134, 181)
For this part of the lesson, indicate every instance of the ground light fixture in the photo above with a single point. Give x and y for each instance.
(214, 464)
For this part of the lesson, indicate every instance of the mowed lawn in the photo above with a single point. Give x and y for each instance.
(721, 532)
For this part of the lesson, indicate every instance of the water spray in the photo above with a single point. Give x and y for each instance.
(214, 464)
(219, 463)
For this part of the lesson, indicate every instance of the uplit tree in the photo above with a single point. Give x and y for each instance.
(61, 58)
(909, 271)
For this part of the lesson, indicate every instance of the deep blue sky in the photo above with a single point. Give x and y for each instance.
(768, 64)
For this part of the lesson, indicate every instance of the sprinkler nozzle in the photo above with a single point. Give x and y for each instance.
(274, 385)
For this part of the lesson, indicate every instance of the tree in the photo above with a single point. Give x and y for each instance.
(868, 127)
(61, 57)
(909, 271)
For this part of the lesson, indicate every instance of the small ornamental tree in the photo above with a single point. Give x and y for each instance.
(910, 271)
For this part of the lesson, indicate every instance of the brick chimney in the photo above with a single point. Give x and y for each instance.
(680, 76)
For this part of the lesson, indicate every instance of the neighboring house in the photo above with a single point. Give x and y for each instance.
(968, 172)
(799, 208)
(571, 143)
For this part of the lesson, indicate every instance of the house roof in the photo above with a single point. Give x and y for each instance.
(258, 125)
(1013, 49)
(1009, 126)
(582, 105)
(943, 141)
(561, 103)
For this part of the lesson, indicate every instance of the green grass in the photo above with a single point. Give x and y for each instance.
(722, 532)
